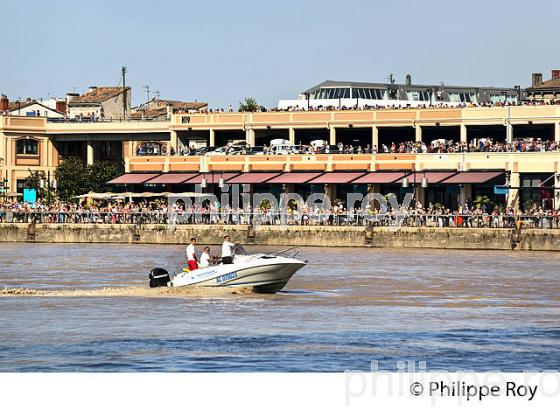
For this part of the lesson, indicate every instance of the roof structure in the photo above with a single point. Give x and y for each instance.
(358, 84)
(549, 84)
(15, 105)
(98, 95)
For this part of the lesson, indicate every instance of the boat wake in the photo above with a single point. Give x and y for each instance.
(132, 291)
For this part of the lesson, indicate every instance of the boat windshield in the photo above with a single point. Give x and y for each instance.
(239, 250)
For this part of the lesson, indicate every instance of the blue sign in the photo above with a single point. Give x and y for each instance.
(29, 195)
(501, 189)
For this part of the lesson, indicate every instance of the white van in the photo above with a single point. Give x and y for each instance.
(281, 147)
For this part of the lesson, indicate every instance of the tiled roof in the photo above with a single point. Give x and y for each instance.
(158, 108)
(99, 94)
(184, 105)
(149, 114)
(14, 105)
(177, 105)
(555, 83)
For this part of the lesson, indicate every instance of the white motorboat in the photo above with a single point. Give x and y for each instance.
(264, 272)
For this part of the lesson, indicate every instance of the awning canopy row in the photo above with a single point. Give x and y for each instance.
(433, 177)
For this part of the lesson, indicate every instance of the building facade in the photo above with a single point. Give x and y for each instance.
(33, 108)
(544, 91)
(100, 103)
(349, 94)
(28, 143)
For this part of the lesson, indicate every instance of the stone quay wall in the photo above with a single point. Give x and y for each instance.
(324, 236)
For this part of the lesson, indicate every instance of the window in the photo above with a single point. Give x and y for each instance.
(462, 97)
(330, 93)
(368, 93)
(27, 147)
(418, 95)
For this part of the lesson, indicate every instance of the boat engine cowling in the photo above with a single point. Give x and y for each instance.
(159, 277)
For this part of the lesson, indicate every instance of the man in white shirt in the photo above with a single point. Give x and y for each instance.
(205, 258)
(191, 255)
(227, 248)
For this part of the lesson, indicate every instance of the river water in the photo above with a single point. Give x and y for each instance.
(453, 310)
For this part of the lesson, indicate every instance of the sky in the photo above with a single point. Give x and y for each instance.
(221, 51)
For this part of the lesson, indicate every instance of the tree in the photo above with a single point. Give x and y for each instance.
(34, 181)
(75, 178)
(71, 177)
(483, 202)
(101, 172)
(249, 105)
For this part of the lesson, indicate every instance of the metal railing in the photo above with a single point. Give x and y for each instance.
(102, 120)
(276, 218)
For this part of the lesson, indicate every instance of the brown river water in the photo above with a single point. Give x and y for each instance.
(69, 307)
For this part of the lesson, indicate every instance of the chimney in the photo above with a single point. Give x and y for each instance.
(92, 88)
(169, 110)
(537, 79)
(28, 99)
(408, 79)
(71, 97)
(555, 74)
(4, 103)
(60, 106)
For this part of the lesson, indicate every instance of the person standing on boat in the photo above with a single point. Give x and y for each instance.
(205, 258)
(227, 248)
(191, 255)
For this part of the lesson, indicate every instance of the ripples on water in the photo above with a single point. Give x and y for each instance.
(456, 310)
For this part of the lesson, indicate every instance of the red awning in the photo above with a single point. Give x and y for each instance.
(380, 178)
(132, 179)
(171, 178)
(294, 178)
(472, 177)
(253, 178)
(432, 177)
(212, 178)
(336, 178)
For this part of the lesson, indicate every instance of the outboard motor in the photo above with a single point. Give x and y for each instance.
(158, 278)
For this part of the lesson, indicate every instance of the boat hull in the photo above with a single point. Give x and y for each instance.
(264, 275)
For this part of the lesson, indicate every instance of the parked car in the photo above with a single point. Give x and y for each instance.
(256, 150)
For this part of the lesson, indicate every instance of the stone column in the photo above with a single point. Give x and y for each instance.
(418, 133)
(557, 131)
(250, 136)
(292, 135)
(463, 133)
(512, 197)
(90, 153)
(173, 140)
(330, 191)
(509, 132)
(332, 135)
(212, 138)
(374, 137)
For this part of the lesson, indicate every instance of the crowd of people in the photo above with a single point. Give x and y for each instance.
(157, 212)
(481, 145)
(395, 106)
(436, 147)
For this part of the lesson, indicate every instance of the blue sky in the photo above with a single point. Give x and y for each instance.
(221, 51)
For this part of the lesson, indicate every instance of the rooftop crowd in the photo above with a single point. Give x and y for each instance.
(467, 215)
(400, 106)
